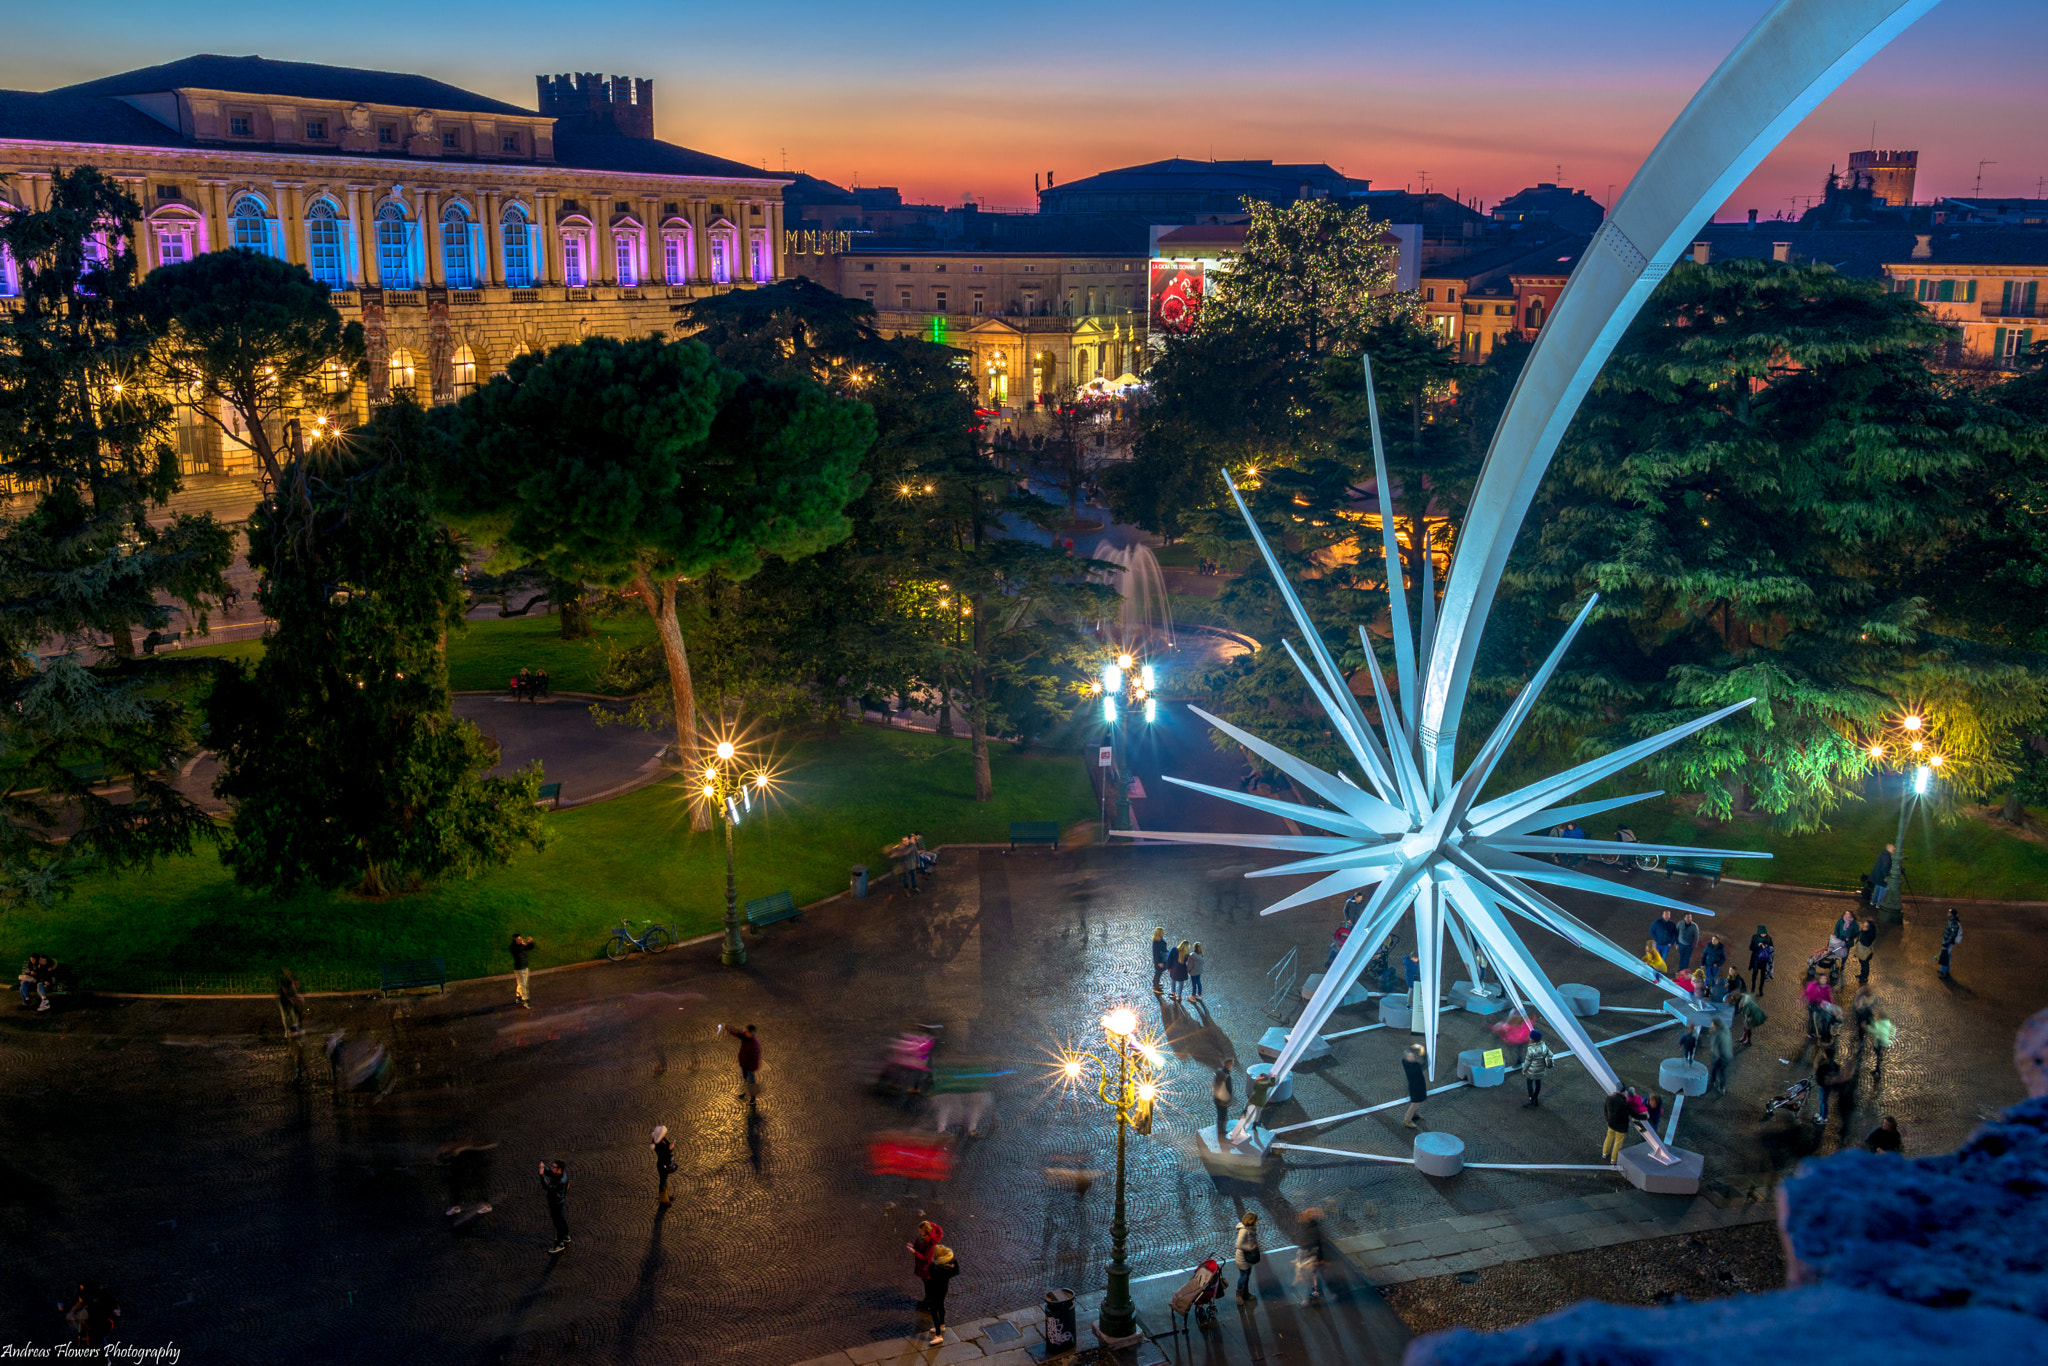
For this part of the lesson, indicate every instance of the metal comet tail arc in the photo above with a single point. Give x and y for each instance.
(1416, 828)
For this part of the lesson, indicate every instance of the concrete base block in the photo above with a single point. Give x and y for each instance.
(1464, 996)
(1694, 1016)
(1676, 1074)
(1394, 1011)
(1275, 1039)
(1472, 1067)
(1354, 995)
(1250, 1153)
(1582, 999)
(1440, 1154)
(1646, 1173)
(1282, 1093)
(1115, 1344)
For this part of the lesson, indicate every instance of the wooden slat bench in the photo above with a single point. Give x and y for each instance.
(1035, 832)
(769, 909)
(1699, 867)
(552, 793)
(411, 974)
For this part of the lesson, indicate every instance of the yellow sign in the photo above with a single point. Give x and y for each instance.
(1494, 1058)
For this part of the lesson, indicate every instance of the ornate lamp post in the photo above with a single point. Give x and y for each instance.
(1127, 688)
(1130, 1095)
(1916, 761)
(730, 787)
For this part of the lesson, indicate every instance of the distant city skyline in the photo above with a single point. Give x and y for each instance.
(943, 104)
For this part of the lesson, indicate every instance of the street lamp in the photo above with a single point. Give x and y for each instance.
(1127, 686)
(730, 786)
(1131, 1095)
(1916, 771)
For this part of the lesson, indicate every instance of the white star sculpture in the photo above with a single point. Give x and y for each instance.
(1463, 864)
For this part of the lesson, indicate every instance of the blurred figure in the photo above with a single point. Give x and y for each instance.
(906, 1064)
(291, 1006)
(522, 970)
(914, 1155)
(1071, 1172)
(468, 1166)
(92, 1314)
(358, 1064)
(664, 1162)
(1311, 1254)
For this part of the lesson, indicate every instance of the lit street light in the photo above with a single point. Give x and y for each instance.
(1126, 686)
(1131, 1096)
(730, 788)
(1923, 760)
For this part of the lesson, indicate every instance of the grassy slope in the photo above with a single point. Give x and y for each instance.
(840, 803)
(487, 653)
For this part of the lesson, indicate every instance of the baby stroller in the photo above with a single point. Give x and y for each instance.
(1792, 1098)
(906, 1065)
(1198, 1297)
(1828, 961)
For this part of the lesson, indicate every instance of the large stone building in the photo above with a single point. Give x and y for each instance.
(460, 230)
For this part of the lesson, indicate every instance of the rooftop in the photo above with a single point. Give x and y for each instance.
(296, 80)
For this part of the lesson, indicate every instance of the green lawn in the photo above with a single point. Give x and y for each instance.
(483, 655)
(187, 927)
(1963, 859)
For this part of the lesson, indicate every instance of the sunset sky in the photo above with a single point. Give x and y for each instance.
(1486, 96)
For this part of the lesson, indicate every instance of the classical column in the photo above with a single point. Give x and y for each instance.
(651, 269)
(291, 220)
(700, 240)
(359, 232)
(216, 215)
(775, 239)
(607, 271)
(550, 237)
(492, 268)
(430, 236)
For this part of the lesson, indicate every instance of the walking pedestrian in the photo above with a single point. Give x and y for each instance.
(1663, 938)
(1177, 968)
(945, 1266)
(1222, 1092)
(1418, 1085)
(1353, 904)
(1713, 959)
(1885, 1137)
(1751, 1012)
(1619, 1114)
(291, 1007)
(1881, 875)
(1827, 1079)
(1721, 1056)
(1688, 940)
(1195, 971)
(522, 970)
(1863, 1013)
(1310, 1254)
(1866, 944)
(1248, 1254)
(921, 1251)
(1536, 1060)
(749, 1058)
(664, 1163)
(1951, 935)
(1688, 1042)
(1761, 951)
(1161, 951)
(1882, 1032)
(554, 1183)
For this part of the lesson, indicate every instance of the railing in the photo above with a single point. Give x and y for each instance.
(525, 296)
(1995, 309)
(342, 298)
(465, 296)
(403, 298)
(1281, 980)
(631, 292)
(580, 294)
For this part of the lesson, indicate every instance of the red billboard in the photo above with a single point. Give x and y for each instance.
(1174, 292)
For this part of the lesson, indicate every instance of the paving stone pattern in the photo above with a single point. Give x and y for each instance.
(158, 1145)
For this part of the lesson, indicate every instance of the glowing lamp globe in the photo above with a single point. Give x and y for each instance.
(725, 749)
(1072, 1069)
(1120, 1021)
(1124, 661)
(1912, 723)
(1147, 1091)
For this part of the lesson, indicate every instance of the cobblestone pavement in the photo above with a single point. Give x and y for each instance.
(159, 1145)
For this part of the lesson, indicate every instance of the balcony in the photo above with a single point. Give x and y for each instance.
(1998, 312)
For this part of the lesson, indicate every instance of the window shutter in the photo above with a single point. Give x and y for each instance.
(1970, 290)
(1998, 343)
(2026, 340)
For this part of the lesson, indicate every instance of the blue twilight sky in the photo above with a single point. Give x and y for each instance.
(946, 100)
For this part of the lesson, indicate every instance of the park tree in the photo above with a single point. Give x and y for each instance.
(645, 464)
(87, 437)
(339, 753)
(1764, 450)
(260, 346)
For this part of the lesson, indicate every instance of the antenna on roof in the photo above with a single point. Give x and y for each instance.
(1980, 176)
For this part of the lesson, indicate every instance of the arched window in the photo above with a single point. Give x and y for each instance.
(676, 257)
(518, 248)
(457, 260)
(465, 372)
(323, 245)
(251, 225)
(404, 373)
(394, 257)
(176, 240)
(626, 256)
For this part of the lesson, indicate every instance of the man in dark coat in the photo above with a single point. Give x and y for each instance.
(554, 1183)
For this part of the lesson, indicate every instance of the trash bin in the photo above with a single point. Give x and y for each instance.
(1059, 1321)
(860, 879)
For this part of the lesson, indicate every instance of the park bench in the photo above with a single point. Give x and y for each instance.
(769, 909)
(1034, 832)
(91, 772)
(413, 973)
(551, 792)
(162, 640)
(1701, 867)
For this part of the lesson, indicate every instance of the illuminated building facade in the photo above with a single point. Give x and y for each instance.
(458, 229)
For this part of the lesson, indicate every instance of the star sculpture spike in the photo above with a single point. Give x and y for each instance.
(1426, 842)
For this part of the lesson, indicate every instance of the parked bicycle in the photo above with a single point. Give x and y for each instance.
(1648, 863)
(624, 942)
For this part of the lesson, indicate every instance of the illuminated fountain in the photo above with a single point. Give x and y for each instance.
(1145, 618)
